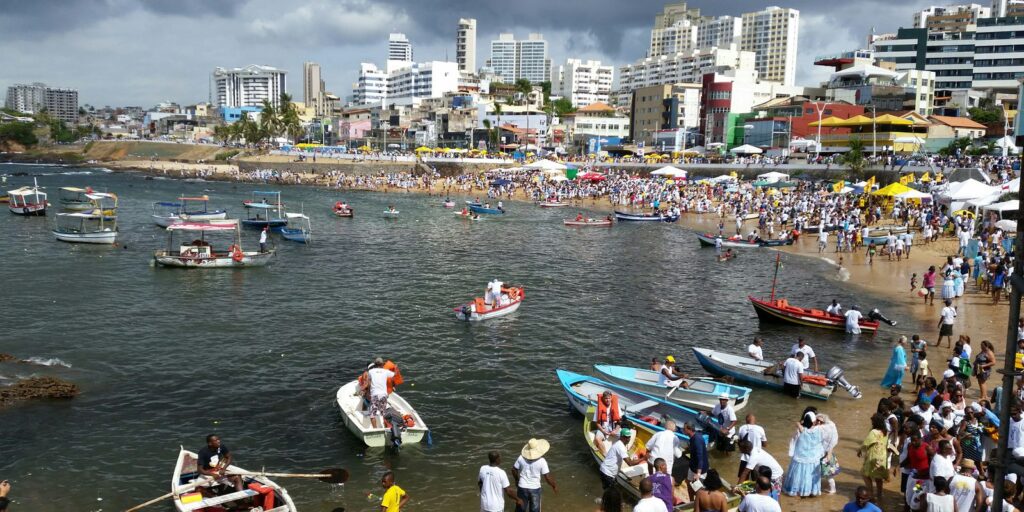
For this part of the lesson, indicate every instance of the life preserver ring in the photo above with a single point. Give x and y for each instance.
(236, 253)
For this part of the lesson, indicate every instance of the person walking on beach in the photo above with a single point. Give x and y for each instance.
(897, 364)
(946, 319)
(494, 486)
(874, 449)
(529, 468)
(394, 496)
(792, 371)
(928, 282)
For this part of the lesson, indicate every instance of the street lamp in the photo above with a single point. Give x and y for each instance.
(820, 111)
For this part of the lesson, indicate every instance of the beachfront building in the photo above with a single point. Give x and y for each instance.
(513, 59)
(410, 84)
(946, 127)
(772, 35)
(248, 86)
(665, 107)
(720, 32)
(582, 82)
(313, 89)
(727, 99)
(399, 48)
(904, 133)
(952, 18)
(371, 88)
(777, 122)
(33, 98)
(595, 126)
(465, 45)
(680, 68)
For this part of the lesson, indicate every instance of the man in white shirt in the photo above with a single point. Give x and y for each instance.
(493, 293)
(757, 459)
(946, 319)
(663, 445)
(494, 486)
(615, 456)
(853, 317)
(1016, 436)
(529, 468)
(726, 416)
(761, 501)
(834, 308)
(802, 346)
(378, 384)
(263, 240)
(967, 492)
(792, 369)
(648, 502)
(753, 433)
(754, 349)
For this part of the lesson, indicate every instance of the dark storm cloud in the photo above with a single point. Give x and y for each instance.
(35, 18)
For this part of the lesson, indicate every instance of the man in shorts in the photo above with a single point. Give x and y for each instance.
(378, 384)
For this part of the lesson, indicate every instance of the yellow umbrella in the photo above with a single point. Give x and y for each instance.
(424, 149)
(364, 148)
(828, 122)
(855, 121)
(892, 189)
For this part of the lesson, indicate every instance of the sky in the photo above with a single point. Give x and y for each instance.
(142, 52)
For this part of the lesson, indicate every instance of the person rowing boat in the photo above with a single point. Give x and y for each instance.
(214, 459)
(669, 377)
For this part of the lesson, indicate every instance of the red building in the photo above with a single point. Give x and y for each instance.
(803, 112)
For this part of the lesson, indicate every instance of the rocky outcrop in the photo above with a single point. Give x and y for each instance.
(35, 388)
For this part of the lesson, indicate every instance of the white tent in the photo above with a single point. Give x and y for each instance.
(746, 149)
(1007, 225)
(721, 179)
(1012, 186)
(1003, 208)
(1008, 143)
(914, 194)
(970, 189)
(772, 177)
(558, 177)
(668, 170)
(545, 165)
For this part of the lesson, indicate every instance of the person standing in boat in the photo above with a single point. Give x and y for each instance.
(378, 377)
(263, 239)
(493, 295)
(834, 308)
(809, 356)
(213, 461)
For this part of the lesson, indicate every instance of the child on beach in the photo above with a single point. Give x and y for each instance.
(922, 371)
(913, 283)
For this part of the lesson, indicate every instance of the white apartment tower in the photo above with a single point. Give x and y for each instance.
(680, 37)
(772, 35)
(32, 98)
(513, 59)
(720, 32)
(465, 45)
(582, 82)
(248, 86)
(313, 88)
(371, 87)
(399, 48)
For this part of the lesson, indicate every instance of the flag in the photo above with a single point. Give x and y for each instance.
(925, 177)
(869, 185)
(838, 187)
(938, 177)
(907, 179)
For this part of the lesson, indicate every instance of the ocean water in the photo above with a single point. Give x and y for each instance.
(165, 357)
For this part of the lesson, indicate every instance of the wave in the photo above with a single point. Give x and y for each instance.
(48, 361)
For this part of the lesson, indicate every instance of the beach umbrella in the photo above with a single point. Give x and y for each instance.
(424, 149)
(1007, 225)
(365, 148)
(746, 149)
(592, 176)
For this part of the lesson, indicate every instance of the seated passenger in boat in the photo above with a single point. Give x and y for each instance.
(669, 377)
(579, 217)
(213, 461)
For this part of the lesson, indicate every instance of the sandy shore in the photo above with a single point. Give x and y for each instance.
(887, 279)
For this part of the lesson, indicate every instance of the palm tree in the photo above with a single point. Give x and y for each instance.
(247, 129)
(289, 117)
(854, 159)
(270, 121)
(497, 113)
(487, 124)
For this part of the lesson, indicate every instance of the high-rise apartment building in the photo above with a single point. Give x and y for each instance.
(1004, 8)
(772, 35)
(681, 37)
(399, 48)
(673, 13)
(465, 45)
(404, 85)
(720, 32)
(680, 68)
(582, 82)
(513, 59)
(313, 88)
(952, 18)
(371, 86)
(33, 98)
(248, 86)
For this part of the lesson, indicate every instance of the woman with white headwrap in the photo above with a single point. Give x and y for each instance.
(803, 478)
(829, 440)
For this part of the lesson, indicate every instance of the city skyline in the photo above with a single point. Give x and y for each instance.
(99, 50)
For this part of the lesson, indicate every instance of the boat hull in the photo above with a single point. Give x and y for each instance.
(249, 259)
(702, 394)
(262, 223)
(475, 316)
(353, 412)
(99, 237)
(586, 224)
(634, 217)
(186, 471)
(29, 210)
(752, 372)
(486, 211)
(296, 235)
(767, 311)
(343, 213)
(552, 205)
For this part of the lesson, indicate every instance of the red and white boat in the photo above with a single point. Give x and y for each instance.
(478, 309)
(343, 210)
(589, 223)
(552, 204)
(30, 201)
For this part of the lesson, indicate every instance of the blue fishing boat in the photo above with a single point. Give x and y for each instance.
(769, 375)
(477, 208)
(645, 217)
(265, 209)
(302, 234)
(650, 411)
(701, 394)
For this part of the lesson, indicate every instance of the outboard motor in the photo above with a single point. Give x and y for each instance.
(467, 311)
(836, 375)
(877, 316)
(397, 426)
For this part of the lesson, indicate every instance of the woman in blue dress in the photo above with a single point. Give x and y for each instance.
(803, 478)
(897, 364)
(958, 283)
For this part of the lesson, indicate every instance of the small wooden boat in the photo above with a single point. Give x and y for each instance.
(589, 223)
(885, 230)
(186, 480)
(552, 204)
(884, 239)
(356, 415)
(448, 204)
(817, 228)
(645, 217)
(302, 234)
(200, 254)
(85, 228)
(779, 310)
(702, 394)
(341, 209)
(265, 209)
(27, 201)
(708, 240)
(769, 375)
(477, 208)
(478, 310)
(640, 408)
(75, 198)
(391, 214)
(186, 209)
(629, 477)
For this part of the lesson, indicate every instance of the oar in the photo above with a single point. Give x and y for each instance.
(330, 476)
(180, 490)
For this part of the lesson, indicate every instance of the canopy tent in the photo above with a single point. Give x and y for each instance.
(746, 149)
(772, 177)
(558, 178)
(828, 122)
(500, 182)
(970, 189)
(892, 190)
(1003, 208)
(975, 204)
(909, 139)
(700, 150)
(424, 149)
(893, 120)
(1008, 143)
(1007, 225)
(1012, 186)
(914, 194)
(722, 179)
(545, 165)
(668, 170)
(802, 144)
(858, 120)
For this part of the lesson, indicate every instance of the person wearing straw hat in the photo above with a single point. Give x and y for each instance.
(528, 470)
(966, 490)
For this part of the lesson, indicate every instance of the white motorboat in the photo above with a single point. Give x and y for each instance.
(478, 310)
(85, 228)
(356, 414)
(186, 481)
(185, 210)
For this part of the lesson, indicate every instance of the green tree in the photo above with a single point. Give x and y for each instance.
(545, 86)
(986, 115)
(270, 121)
(21, 133)
(854, 160)
(955, 146)
(246, 128)
(563, 106)
(490, 134)
(289, 117)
